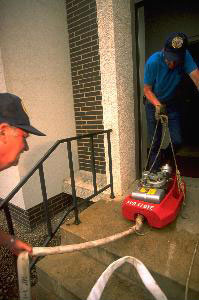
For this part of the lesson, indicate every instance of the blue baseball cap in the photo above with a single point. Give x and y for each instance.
(12, 111)
(175, 46)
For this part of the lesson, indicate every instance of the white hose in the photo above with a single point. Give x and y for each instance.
(24, 276)
(146, 277)
(41, 251)
(23, 259)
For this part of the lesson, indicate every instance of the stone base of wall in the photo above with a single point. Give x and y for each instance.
(84, 185)
(31, 217)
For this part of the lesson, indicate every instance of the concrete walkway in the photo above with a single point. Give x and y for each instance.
(167, 253)
(191, 210)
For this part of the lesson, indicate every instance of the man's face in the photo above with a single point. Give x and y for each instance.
(171, 64)
(12, 144)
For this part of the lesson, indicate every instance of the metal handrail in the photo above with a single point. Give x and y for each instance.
(39, 166)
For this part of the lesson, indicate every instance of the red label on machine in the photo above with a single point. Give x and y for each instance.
(140, 204)
(157, 215)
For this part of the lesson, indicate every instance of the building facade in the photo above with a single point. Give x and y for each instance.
(73, 65)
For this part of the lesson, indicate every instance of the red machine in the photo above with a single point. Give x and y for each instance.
(158, 200)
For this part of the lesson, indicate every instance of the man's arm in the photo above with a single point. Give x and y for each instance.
(14, 245)
(150, 95)
(194, 75)
(159, 107)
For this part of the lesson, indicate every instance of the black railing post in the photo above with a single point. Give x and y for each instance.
(72, 177)
(93, 165)
(110, 164)
(44, 194)
(9, 219)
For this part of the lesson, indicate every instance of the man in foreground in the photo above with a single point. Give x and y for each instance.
(14, 130)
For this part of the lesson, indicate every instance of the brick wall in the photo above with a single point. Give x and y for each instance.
(31, 217)
(86, 80)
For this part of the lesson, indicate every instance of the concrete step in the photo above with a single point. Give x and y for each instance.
(84, 185)
(41, 293)
(167, 253)
(71, 276)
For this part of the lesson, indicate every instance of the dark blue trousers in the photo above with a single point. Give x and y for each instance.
(174, 116)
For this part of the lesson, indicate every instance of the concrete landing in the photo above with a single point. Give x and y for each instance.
(167, 253)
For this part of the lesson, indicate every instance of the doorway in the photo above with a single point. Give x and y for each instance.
(159, 21)
(188, 155)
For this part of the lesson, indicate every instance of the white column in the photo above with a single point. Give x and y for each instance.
(118, 99)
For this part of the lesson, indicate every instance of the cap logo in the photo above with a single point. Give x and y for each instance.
(177, 42)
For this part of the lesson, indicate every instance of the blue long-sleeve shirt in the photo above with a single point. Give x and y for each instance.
(162, 79)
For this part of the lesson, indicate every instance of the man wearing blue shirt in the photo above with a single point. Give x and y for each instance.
(162, 74)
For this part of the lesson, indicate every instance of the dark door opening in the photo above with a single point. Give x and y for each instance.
(160, 20)
(188, 156)
(190, 104)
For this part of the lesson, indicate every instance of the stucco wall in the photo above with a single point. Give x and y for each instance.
(117, 45)
(2, 79)
(35, 54)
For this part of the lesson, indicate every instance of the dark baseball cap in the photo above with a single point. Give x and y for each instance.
(12, 111)
(175, 46)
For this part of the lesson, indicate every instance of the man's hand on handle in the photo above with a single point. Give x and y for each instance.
(17, 246)
(14, 245)
(160, 111)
